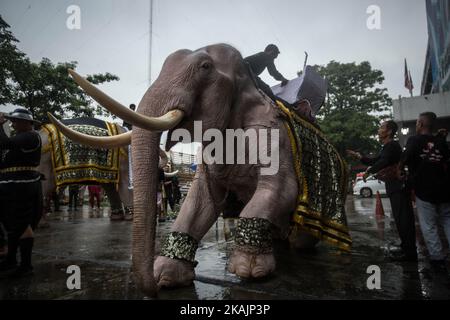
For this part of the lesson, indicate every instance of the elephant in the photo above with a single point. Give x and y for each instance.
(213, 85)
(120, 198)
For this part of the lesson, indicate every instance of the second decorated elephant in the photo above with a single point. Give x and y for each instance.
(65, 163)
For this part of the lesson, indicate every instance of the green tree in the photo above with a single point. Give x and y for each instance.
(355, 105)
(9, 56)
(43, 87)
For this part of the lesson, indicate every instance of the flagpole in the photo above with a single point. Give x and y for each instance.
(306, 60)
(150, 44)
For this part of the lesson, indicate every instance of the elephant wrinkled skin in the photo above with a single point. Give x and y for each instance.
(212, 85)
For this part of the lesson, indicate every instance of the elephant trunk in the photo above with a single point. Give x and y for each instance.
(145, 153)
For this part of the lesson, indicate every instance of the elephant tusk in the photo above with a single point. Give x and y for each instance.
(170, 174)
(110, 142)
(165, 122)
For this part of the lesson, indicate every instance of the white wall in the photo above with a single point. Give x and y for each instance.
(408, 109)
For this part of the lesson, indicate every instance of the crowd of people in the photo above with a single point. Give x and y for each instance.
(76, 196)
(426, 180)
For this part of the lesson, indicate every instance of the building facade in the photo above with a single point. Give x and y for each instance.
(435, 89)
(436, 77)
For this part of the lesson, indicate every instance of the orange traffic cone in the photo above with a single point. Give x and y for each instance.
(380, 226)
(379, 210)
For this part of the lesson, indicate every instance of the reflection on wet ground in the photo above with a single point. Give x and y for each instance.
(102, 251)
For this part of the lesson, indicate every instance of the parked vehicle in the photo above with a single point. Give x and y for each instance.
(369, 188)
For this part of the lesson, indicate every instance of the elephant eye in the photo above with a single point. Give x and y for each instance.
(205, 65)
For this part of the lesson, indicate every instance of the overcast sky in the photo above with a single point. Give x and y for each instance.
(114, 35)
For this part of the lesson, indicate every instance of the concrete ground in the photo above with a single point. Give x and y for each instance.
(102, 250)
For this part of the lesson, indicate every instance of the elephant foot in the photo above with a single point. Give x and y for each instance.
(250, 265)
(173, 272)
(253, 254)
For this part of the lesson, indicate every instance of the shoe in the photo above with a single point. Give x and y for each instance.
(161, 219)
(116, 216)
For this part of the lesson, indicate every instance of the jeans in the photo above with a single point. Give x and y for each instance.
(430, 215)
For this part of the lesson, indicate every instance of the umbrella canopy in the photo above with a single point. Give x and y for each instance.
(309, 85)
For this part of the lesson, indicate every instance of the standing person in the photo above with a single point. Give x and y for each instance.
(128, 126)
(258, 62)
(81, 192)
(95, 194)
(385, 165)
(169, 194)
(54, 197)
(161, 196)
(176, 191)
(21, 196)
(427, 157)
(73, 196)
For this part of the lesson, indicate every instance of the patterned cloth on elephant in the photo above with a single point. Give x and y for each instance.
(75, 163)
(322, 177)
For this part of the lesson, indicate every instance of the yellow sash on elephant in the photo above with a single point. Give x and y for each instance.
(74, 163)
(322, 178)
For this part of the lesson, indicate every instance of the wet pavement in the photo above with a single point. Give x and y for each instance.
(102, 250)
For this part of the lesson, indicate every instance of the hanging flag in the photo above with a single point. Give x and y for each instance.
(408, 80)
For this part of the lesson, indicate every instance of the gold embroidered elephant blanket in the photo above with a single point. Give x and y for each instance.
(74, 163)
(322, 177)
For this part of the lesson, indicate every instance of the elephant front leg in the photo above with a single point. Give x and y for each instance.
(253, 254)
(175, 265)
(269, 210)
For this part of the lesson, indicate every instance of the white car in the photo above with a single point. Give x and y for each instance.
(368, 188)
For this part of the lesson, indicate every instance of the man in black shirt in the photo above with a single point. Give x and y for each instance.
(258, 62)
(399, 196)
(427, 157)
(20, 189)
